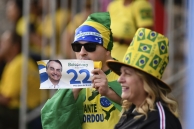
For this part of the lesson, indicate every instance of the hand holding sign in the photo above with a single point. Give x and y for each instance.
(100, 82)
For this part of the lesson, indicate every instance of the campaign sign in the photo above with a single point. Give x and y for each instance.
(65, 74)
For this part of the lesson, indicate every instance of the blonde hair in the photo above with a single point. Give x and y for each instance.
(154, 92)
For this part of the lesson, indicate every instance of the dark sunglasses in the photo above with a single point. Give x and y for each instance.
(89, 47)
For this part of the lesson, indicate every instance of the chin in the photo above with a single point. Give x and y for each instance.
(124, 97)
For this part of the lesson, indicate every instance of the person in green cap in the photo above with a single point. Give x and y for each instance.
(146, 101)
(88, 108)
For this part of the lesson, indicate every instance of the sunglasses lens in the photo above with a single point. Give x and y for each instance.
(89, 47)
(76, 47)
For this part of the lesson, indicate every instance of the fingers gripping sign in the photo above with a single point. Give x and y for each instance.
(100, 82)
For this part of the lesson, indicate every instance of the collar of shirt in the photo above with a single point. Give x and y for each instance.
(51, 86)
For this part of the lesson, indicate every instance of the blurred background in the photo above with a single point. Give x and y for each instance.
(46, 28)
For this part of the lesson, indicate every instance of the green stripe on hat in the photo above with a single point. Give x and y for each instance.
(102, 18)
(97, 20)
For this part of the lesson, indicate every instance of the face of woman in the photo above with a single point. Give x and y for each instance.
(132, 86)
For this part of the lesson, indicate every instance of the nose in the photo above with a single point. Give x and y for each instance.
(120, 79)
(55, 71)
(83, 51)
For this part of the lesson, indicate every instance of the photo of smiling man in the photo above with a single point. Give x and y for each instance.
(54, 71)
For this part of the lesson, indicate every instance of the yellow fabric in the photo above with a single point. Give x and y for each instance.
(118, 51)
(61, 19)
(41, 63)
(125, 20)
(46, 28)
(11, 83)
(95, 114)
(21, 26)
(105, 33)
(77, 21)
(21, 30)
(112, 77)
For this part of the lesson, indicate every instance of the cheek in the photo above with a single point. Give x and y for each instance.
(98, 55)
(134, 88)
(140, 84)
(77, 55)
(49, 72)
(142, 91)
(139, 89)
(126, 92)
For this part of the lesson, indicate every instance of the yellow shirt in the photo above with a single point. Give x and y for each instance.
(10, 85)
(77, 21)
(99, 112)
(61, 19)
(125, 20)
(46, 28)
(21, 30)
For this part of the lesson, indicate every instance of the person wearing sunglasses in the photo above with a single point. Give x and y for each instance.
(88, 108)
(146, 100)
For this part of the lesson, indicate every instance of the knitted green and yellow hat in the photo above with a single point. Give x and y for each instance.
(96, 29)
(148, 52)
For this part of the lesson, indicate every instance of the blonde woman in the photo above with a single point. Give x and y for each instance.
(146, 101)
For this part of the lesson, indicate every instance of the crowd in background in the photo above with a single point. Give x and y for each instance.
(50, 36)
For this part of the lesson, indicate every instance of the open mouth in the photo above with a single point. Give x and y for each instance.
(125, 89)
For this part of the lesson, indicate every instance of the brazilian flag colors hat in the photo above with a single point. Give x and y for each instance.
(147, 52)
(96, 29)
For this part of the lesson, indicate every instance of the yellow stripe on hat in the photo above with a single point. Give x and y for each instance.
(103, 31)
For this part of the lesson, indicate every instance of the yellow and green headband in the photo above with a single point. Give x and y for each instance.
(96, 29)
